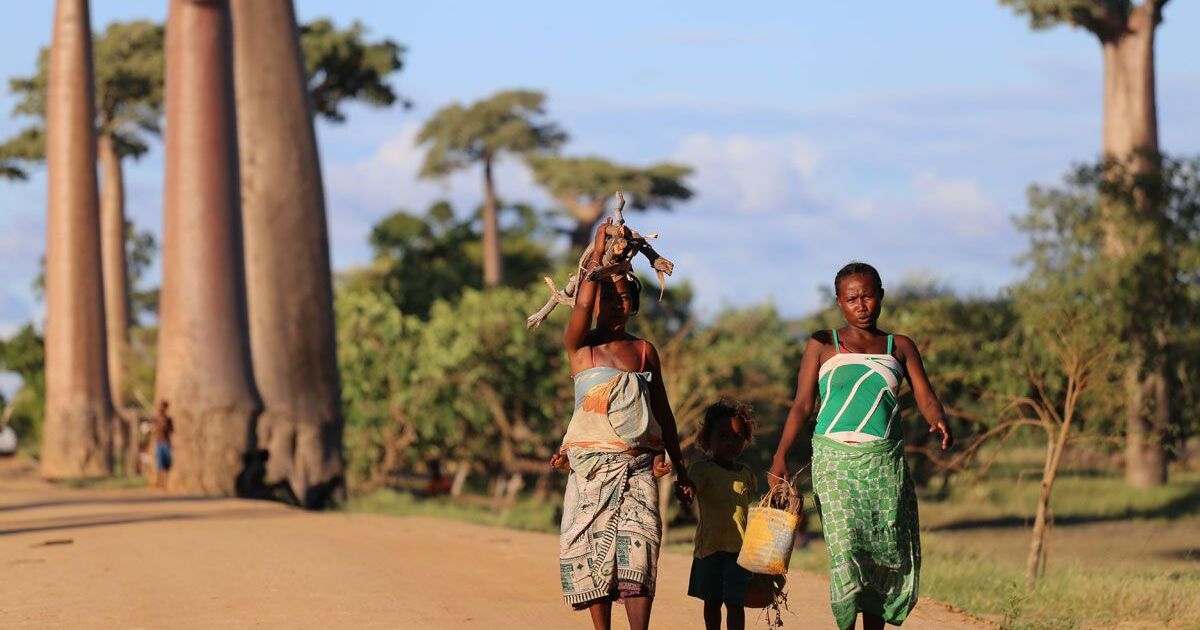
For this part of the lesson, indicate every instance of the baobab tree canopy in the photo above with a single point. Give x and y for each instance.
(341, 65)
(1105, 18)
(510, 121)
(128, 59)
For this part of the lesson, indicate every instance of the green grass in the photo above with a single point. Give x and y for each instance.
(105, 483)
(1072, 593)
(1077, 497)
(1117, 556)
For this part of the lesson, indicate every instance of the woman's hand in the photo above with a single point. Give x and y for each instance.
(947, 437)
(778, 472)
(662, 467)
(601, 240)
(559, 461)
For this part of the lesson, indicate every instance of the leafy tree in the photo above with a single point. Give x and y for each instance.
(422, 259)
(128, 61)
(1068, 225)
(584, 186)
(1126, 32)
(342, 65)
(459, 137)
(24, 355)
(377, 384)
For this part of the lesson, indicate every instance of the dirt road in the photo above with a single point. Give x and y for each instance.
(140, 559)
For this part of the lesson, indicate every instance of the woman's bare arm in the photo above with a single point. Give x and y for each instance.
(585, 299)
(661, 408)
(802, 407)
(927, 400)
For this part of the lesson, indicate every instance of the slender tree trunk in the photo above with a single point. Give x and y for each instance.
(116, 279)
(77, 437)
(1037, 544)
(1131, 135)
(203, 361)
(586, 216)
(289, 286)
(493, 264)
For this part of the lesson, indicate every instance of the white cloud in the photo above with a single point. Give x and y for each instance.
(958, 203)
(751, 175)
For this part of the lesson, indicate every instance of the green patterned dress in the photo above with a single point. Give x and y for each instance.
(867, 499)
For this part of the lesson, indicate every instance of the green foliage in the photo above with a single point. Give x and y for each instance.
(1153, 277)
(341, 66)
(377, 360)
(489, 389)
(140, 250)
(584, 185)
(128, 66)
(1098, 16)
(24, 355)
(422, 259)
(511, 121)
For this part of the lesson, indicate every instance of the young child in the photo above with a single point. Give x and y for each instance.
(723, 488)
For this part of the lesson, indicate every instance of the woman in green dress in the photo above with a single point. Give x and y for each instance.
(867, 500)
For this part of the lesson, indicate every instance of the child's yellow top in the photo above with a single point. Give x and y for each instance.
(724, 497)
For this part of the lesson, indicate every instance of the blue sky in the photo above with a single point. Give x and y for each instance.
(901, 133)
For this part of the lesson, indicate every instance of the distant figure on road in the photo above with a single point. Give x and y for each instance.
(163, 428)
(439, 483)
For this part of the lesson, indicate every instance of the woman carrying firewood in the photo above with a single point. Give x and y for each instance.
(611, 528)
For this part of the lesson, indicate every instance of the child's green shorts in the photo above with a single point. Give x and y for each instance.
(718, 578)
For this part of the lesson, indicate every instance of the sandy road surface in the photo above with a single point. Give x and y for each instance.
(140, 559)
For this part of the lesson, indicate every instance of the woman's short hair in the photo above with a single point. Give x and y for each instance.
(856, 268)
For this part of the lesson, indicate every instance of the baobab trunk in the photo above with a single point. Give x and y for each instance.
(204, 360)
(116, 295)
(1131, 136)
(586, 215)
(493, 263)
(289, 287)
(77, 437)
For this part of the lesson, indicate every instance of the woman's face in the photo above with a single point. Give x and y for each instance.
(615, 304)
(861, 301)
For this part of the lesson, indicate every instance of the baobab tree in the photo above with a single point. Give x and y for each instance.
(203, 365)
(1126, 32)
(289, 288)
(585, 185)
(77, 437)
(459, 137)
(128, 95)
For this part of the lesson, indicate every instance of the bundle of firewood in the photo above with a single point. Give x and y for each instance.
(620, 248)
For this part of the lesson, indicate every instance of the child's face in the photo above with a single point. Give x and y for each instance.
(728, 438)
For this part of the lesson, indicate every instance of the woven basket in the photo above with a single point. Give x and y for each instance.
(767, 546)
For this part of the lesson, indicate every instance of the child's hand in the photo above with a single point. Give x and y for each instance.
(685, 491)
(558, 461)
(662, 467)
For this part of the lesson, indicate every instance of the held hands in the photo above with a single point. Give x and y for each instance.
(558, 461)
(662, 467)
(685, 490)
(941, 427)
